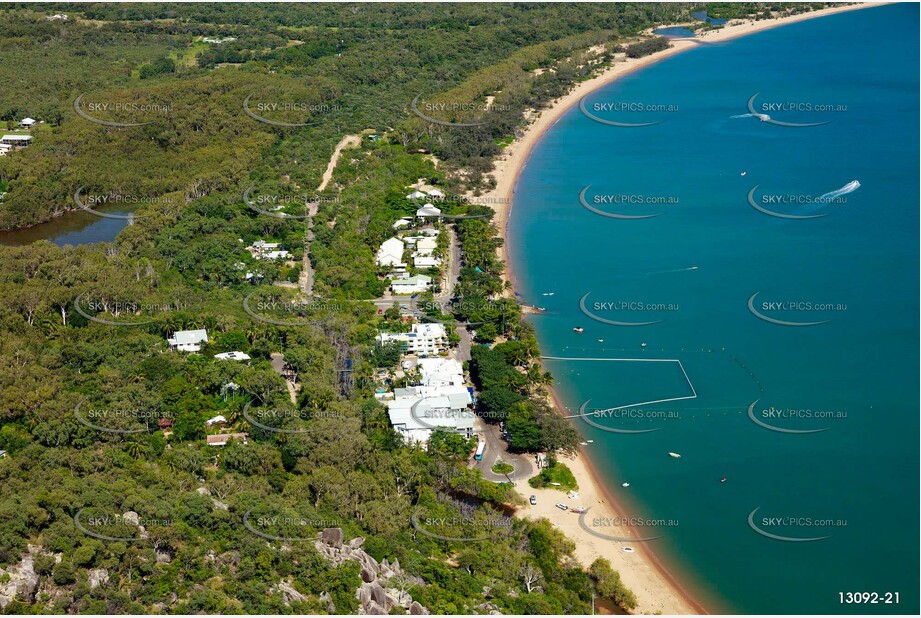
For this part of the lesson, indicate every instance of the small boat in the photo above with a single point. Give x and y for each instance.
(693, 268)
(723, 480)
(643, 345)
(743, 173)
(601, 341)
(578, 329)
(590, 441)
(583, 443)
(625, 484)
(549, 293)
(675, 455)
(541, 308)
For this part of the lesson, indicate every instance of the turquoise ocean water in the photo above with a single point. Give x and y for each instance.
(852, 486)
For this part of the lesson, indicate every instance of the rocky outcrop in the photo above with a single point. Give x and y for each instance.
(288, 593)
(97, 577)
(377, 594)
(22, 579)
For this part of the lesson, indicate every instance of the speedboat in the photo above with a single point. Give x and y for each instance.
(723, 480)
(675, 455)
(549, 293)
(578, 329)
(625, 484)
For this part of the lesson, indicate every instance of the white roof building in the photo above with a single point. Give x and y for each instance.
(442, 400)
(427, 339)
(399, 223)
(425, 261)
(27, 122)
(436, 193)
(237, 356)
(416, 418)
(219, 419)
(16, 140)
(426, 245)
(428, 211)
(411, 285)
(188, 340)
(391, 252)
(415, 195)
(441, 371)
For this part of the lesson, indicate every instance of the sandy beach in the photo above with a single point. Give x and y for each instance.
(656, 590)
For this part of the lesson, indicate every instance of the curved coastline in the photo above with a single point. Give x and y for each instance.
(656, 587)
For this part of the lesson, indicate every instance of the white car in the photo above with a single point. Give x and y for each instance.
(628, 550)
(562, 506)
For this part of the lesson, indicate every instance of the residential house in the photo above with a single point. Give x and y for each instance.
(391, 253)
(221, 439)
(426, 245)
(217, 420)
(411, 285)
(16, 141)
(426, 261)
(27, 123)
(188, 340)
(262, 250)
(401, 223)
(429, 211)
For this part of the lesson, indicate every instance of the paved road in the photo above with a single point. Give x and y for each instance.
(495, 449)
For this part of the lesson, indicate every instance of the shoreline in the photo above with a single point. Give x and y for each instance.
(656, 588)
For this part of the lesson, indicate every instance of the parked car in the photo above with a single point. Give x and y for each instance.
(562, 506)
(628, 550)
(533, 500)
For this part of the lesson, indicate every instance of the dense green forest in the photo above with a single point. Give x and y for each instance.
(102, 422)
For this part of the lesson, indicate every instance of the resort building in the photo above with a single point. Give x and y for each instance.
(441, 400)
(27, 123)
(416, 418)
(188, 340)
(441, 372)
(423, 339)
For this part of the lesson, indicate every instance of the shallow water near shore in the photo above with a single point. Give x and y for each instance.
(693, 267)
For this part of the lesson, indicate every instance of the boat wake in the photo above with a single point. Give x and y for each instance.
(848, 188)
(761, 117)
